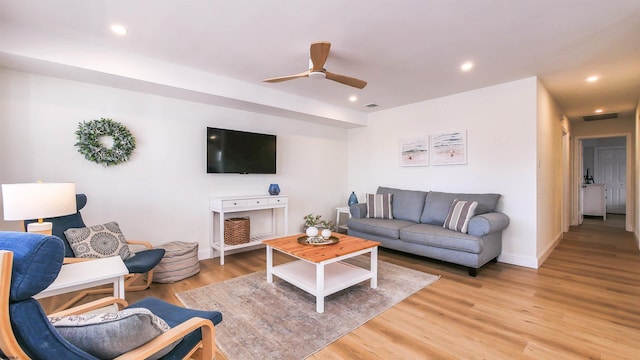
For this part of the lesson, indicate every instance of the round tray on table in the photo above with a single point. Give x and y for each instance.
(304, 240)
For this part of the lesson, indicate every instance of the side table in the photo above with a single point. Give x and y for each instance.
(341, 211)
(87, 274)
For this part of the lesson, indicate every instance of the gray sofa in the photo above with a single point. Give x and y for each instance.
(417, 227)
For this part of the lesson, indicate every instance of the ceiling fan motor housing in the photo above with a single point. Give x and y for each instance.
(317, 75)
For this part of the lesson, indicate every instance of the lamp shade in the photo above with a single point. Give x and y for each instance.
(38, 200)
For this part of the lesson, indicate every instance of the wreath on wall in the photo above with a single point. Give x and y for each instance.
(89, 144)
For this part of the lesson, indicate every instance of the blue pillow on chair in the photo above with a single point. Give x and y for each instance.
(41, 261)
(37, 260)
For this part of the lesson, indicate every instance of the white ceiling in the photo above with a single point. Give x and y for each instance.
(407, 50)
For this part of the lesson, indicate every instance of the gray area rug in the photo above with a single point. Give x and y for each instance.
(279, 321)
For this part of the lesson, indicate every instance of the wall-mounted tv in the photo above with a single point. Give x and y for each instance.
(240, 152)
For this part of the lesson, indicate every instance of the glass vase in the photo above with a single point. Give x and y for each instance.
(353, 199)
(274, 189)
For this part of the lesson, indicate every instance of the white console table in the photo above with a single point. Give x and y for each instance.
(222, 207)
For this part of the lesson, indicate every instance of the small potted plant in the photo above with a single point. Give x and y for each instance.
(327, 227)
(312, 224)
(311, 220)
(325, 224)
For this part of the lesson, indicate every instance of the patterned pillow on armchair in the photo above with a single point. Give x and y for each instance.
(98, 241)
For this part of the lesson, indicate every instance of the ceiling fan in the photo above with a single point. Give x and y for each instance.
(318, 54)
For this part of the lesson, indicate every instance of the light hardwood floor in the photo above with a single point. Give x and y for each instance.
(583, 303)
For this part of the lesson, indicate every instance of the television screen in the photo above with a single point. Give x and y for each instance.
(240, 152)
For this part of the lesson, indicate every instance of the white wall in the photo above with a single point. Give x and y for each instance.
(161, 194)
(550, 175)
(514, 148)
(501, 132)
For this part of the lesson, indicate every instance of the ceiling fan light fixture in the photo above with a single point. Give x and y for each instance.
(119, 29)
(317, 75)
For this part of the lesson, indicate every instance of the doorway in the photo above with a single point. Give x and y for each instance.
(605, 160)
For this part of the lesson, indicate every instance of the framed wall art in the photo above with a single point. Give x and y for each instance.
(414, 151)
(449, 148)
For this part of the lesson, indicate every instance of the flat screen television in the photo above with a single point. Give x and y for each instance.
(240, 152)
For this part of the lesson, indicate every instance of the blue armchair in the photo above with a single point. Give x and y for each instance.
(29, 263)
(142, 263)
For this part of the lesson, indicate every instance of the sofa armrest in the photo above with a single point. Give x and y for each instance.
(358, 210)
(488, 223)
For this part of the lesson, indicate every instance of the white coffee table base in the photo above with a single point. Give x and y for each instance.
(324, 278)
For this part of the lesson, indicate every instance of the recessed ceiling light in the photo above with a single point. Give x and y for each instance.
(466, 66)
(119, 29)
(598, 111)
(353, 98)
(593, 78)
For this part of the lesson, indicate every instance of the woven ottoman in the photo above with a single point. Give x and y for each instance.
(180, 261)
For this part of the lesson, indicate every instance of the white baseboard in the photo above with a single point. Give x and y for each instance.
(549, 249)
(204, 254)
(531, 262)
(518, 260)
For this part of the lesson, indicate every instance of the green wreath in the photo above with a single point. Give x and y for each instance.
(89, 145)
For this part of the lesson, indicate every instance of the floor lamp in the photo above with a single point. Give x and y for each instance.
(38, 201)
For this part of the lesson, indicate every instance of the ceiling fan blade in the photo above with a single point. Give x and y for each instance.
(357, 83)
(319, 52)
(288, 77)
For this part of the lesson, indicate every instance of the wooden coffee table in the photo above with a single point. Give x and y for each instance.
(320, 270)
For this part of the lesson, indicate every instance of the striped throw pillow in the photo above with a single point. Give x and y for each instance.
(459, 215)
(379, 206)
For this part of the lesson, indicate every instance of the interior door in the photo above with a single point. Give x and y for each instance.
(611, 170)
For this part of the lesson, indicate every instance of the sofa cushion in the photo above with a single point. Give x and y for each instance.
(380, 227)
(379, 206)
(437, 205)
(407, 204)
(437, 236)
(358, 210)
(459, 215)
